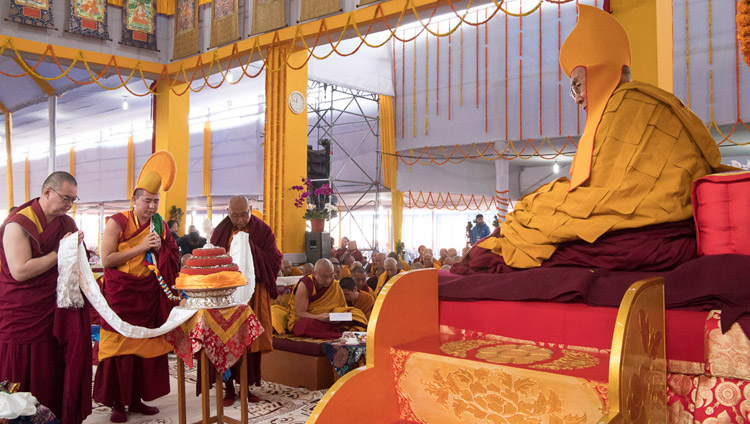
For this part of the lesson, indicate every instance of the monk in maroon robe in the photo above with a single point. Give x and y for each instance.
(267, 262)
(45, 349)
(133, 370)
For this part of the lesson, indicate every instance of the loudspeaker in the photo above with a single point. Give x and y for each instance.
(317, 246)
(319, 162)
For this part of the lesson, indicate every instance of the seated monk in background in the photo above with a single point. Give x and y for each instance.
(287, 270)
(391, 269)
(443, 256)
(377, 262)
(429, 262)
(420, 252)
(640, 151)
(344, 244)
(359, 275)
(315, 296)
(339, 272)
(307, 268)
(357, 298)
(402, 263)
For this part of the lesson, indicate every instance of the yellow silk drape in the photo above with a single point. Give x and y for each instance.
(390, 162)
(131, 164)
(73, 173)
(9, 168)
(207, 168)
(26, 179)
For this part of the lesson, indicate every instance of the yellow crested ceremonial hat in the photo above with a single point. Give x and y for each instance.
(600, 44)
(158, 173)
(258, 214)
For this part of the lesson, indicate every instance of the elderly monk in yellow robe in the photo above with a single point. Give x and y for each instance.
(267, 262)
(133, 370)
(359, 275)
(391, 269)
(639, 153)
(429, 261)
(315, 296)
(340, 272)
(357, 298)
(402, 263)
(287, 270)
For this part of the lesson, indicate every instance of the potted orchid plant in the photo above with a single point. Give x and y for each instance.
(317, 202)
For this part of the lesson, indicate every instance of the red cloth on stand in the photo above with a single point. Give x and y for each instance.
(29, 350)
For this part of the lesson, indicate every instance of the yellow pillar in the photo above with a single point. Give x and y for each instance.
(649, 27)
(9, 167)
(285, 147)
(173, 135)
(207, 168)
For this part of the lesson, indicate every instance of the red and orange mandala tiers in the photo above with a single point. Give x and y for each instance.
(209, 268)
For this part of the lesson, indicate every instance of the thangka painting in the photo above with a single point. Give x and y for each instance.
(139, 24)
(268, 15)
(224, 22)
(89, 18)
(185, 29)
(37, 13)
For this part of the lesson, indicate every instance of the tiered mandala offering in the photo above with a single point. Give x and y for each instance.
(209, 278)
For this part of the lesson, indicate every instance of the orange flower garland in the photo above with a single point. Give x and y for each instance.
(743, 28)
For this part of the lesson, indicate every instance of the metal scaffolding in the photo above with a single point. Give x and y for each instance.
(331, 107)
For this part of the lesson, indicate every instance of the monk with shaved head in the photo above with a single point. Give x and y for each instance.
(314, 298)
(267, 261)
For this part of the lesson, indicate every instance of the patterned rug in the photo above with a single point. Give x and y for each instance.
(279, 404)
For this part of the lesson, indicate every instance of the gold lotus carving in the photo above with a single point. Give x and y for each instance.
(514, 354)
(571, 360)
(498, 397)
(460, 348)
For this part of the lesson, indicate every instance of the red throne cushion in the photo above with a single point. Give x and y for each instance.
(721, 208)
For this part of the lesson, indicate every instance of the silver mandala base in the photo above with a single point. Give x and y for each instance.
(210, 298)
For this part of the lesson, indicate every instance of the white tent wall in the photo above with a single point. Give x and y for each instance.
(710, 67)
(236, 159)
(475, 177)
(417, 89)
(370, 69)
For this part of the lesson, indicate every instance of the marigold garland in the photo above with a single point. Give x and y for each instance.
(743, 28)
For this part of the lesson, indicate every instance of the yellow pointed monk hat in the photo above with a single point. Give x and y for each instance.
(599, 44)
(158, 173)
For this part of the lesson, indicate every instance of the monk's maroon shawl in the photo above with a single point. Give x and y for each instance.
(266, 256)
(140, 300)
(27, 308)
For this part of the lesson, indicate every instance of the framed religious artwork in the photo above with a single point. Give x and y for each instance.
(185, 29)
(36, 13)
(268, 15)
(224, 22)
(89, 18)
(139, 24)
